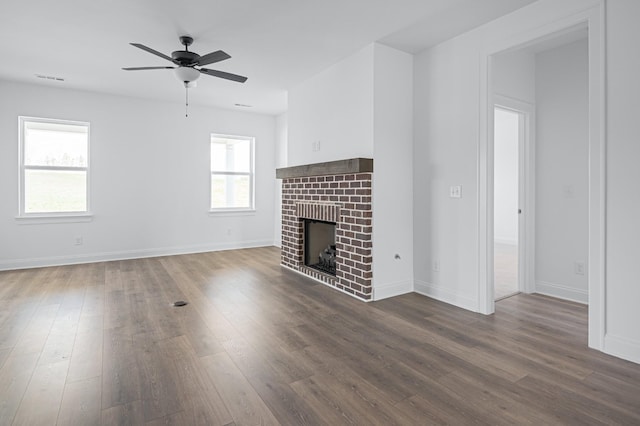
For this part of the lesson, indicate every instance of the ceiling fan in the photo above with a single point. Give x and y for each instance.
(189, 64)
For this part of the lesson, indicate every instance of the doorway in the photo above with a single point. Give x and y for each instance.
(593, 266)
(509, 136)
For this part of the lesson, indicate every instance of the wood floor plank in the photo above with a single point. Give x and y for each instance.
(120, 373)
(196, 394)
(35, 335)
(340, 401)
(86, 358)
(15, 376)
(244, 404)
(259, 344)
(16, 318)
(441, 410)
(4, 355)
(81, 403)
(41, 401)
(129, 414)
(158, 380)
(591, 411)
(611, 391)
(62, 335)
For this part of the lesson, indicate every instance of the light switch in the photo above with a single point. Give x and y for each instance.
(455, 191)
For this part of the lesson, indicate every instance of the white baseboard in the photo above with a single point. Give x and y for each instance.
(6, 265)
(562, 292)
(622, 347)
(384, 291)
(446, 295)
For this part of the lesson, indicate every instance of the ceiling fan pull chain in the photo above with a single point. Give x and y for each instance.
(186, 102)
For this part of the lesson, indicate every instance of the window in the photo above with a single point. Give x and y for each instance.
(54, 167)
(232, 173)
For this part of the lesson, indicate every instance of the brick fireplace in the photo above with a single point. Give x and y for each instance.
(335, 192)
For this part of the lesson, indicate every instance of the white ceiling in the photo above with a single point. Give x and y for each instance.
(276, 43)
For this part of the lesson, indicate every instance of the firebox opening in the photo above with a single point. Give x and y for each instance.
(320, 245)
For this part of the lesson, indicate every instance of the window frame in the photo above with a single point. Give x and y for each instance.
(22, 168)
(251, 174)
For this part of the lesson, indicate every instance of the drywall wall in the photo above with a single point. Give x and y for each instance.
(280, 161)
(149, 179)
(446, 86)
(561, 151)
(623, 175)
(514, 75)
(448, 126)
(393, 172)
(334, 108)
(363, 107)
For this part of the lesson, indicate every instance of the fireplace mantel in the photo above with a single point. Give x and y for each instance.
(352, 165)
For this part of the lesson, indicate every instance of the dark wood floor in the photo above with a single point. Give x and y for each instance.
(101, 343)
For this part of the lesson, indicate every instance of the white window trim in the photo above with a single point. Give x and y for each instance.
(51, 217)
(235, 211)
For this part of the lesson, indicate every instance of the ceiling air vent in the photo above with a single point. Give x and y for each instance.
(49, 77)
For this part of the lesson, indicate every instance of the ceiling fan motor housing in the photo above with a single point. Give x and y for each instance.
(185, 58)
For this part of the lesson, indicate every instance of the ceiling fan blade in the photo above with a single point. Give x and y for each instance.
(147, 68)
(213, 57)
(225, 75)
(150, 50)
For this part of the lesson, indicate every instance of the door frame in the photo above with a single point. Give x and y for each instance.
(594, 20)
(526, 190)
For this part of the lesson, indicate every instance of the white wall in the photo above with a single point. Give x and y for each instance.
(363, 107)
(623, 175)
(280, 161)
(149, 179)
(514, 75)
(448, 133)
(393, 172)
(335, 107)
(446, 89)
(561, 150)
(447, 82)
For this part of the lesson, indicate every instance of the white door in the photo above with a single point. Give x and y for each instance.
(508, 145)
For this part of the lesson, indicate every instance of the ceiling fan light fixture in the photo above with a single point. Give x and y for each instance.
(187, 75)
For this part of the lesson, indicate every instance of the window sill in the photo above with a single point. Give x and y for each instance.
(47, 219)
(232, 212)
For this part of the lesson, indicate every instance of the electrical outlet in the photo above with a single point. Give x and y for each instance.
(315, 146)
(436, 266)
(578, 268)
(228, 231)
(78, 240)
